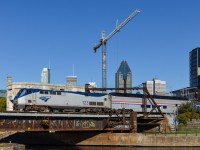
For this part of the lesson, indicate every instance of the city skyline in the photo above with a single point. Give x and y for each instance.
(155, 43)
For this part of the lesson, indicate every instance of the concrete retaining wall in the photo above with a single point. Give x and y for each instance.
(133, 139)
(103, 139)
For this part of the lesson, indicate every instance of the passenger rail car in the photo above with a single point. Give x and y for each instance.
(49, 100)
(167, 104)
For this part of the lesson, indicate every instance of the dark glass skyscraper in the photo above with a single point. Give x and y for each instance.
(123, 77)
(195, 67)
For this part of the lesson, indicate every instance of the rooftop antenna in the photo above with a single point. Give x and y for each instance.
(73, 69)
(49, 63)
(171, 89)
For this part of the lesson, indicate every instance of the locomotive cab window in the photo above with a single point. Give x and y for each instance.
(23, 92)
(28, 92)
(41, 92)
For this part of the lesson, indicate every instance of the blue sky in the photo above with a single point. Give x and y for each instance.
(154, 43)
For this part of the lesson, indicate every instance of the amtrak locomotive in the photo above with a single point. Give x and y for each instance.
(67, 101)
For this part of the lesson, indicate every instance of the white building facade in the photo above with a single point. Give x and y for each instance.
(45, 75)
(71, 80)
(156, 87)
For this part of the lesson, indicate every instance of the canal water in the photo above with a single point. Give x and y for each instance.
(31, 147)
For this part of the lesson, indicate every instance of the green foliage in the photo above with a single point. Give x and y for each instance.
(187, 107)
(186, 112)
(2, 104)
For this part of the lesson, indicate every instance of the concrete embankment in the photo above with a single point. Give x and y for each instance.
(11, 146)
(103, 139)
(133, 139)
(4, 134)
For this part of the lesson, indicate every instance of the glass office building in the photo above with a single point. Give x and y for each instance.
(123, 77)
(45, 75)
(195, 67)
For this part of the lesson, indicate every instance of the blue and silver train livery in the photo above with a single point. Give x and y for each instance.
(28, 99)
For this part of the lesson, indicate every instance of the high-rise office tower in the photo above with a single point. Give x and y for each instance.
(45, 75)
(156, 87)
(159, 86)
(150, 87)
(71, 80)
(123, 77)
(195, 67)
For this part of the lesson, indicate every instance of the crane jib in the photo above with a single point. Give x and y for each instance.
(104, 40)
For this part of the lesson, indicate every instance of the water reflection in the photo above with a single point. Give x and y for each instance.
(106, 148)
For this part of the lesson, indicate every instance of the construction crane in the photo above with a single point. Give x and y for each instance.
(105, 38)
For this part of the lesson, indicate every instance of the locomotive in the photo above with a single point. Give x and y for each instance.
(29, 99)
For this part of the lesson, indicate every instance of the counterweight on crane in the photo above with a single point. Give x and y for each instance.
(103, 41)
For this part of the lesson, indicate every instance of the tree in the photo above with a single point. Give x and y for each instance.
(186, 112)
(2, 104)
(187, 107)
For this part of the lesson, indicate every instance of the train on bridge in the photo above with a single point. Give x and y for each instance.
(30, 99)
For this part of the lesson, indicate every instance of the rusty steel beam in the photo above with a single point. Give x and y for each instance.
(28, 122)
(152, 101)
(133, 122)
(43, 124)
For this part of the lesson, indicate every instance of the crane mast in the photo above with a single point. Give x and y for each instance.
(105, 38)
